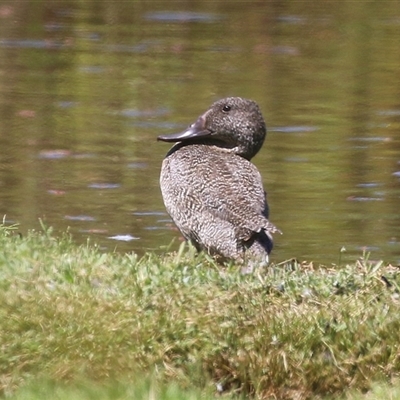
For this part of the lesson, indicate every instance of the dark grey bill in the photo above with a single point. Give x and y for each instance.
(195, 130)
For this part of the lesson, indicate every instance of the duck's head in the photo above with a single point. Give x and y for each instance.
(234, 123)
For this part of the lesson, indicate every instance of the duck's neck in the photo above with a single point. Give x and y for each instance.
(217, 145)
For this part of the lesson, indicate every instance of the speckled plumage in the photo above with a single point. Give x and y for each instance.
(211, 190)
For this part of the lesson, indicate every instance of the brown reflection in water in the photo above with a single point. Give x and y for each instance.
(96, 82)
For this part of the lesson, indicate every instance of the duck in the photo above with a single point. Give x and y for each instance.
(211, 189)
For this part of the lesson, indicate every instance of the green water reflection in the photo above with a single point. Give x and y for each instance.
(85, 88)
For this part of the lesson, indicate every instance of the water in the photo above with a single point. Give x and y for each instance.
(85, 88)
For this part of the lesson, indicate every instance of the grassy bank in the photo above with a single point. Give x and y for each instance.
(181, 324)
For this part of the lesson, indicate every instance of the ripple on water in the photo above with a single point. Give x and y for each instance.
(389, 113)
(94, 230)
(127, 48)
(182, 16)
(92, 69)
(138, 165)
(293, 129)
(368, 185)
(67, 104)
(149, 213)
(99, 185)
(135, 113)
(62, 153)
(54, 27)
(32, 44)
(291, 19)
(159, 223)
(286, 50)
(54, 154)
(369, 139)
(93, 36)
(367, 248)
(81, 156)
(392, 21)
(55, 192)
(79, 218)
(124, 238)
(224, 49)
(363, 198)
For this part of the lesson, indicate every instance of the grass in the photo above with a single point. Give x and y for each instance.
(80, 324)
(139, 390)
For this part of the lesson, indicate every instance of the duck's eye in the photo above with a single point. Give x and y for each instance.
(226, 108)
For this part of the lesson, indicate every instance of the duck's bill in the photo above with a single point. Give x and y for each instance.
(195, 130)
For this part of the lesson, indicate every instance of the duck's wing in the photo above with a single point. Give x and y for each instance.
(236, 194)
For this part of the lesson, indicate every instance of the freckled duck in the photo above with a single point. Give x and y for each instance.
(212, 191)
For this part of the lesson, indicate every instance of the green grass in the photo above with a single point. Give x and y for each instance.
(138, 390)
(79, 324)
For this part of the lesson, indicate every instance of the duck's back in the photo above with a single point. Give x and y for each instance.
(215, 197)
